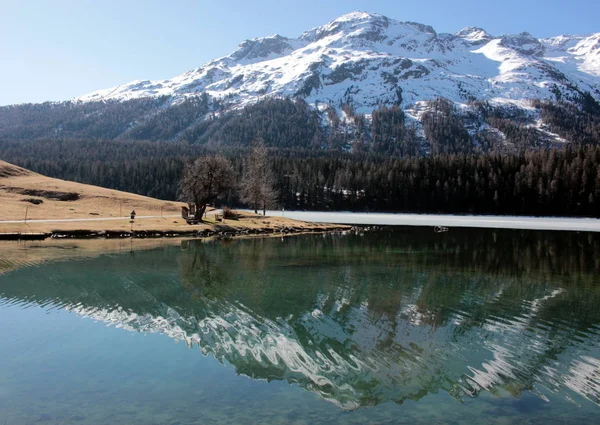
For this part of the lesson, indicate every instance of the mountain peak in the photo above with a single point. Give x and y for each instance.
(348, 23)
(523, 43)
(261, 48)
(368, 60)
(359, 15)
(474, 34)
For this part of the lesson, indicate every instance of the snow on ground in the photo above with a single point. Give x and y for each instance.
(363, 58)
(540, 126)
(491, 222)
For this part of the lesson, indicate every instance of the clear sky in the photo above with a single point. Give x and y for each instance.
(59, 49)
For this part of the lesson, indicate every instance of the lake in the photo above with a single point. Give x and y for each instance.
(398, 325)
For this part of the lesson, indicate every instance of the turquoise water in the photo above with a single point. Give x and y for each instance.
(392, 326)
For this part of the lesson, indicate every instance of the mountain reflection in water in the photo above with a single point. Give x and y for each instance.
(360, 319)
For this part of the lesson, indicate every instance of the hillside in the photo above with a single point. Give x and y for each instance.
(46, 198)
(72, 209)
(369, 60)
(363, 82)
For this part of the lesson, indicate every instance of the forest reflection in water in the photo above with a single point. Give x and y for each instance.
(363, 318)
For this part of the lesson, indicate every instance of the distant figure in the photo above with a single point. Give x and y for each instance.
(132, 215)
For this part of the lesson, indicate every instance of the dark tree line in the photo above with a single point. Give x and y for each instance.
(477, 160)
(542, 182)
(390, 134)
(562, 182)
(445, 130)
(293, 124)
(576, 124)
(283, 123)
(65, 120)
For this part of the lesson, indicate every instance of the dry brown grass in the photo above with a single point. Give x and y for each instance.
(18, 185)
(161, 224)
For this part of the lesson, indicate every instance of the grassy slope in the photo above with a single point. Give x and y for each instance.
(17, 184)
(93, 202)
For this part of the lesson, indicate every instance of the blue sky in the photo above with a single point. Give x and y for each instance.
(58, 49)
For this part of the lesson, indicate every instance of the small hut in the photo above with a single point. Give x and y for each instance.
(189, 214)
(185, 212)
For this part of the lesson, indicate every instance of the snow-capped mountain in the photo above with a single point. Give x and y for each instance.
(369, 60)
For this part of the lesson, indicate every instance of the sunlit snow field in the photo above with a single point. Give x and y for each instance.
(482, 221)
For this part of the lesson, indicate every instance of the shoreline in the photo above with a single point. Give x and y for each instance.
(224, 230)
(18, 253)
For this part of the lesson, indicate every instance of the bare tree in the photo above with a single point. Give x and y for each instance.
(257, 181)
(204, 180)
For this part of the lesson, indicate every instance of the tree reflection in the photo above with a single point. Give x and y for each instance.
(359, 319)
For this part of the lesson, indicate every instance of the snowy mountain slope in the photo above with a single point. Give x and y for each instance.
(369, 60)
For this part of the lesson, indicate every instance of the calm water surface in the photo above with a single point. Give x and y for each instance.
(386, 327)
